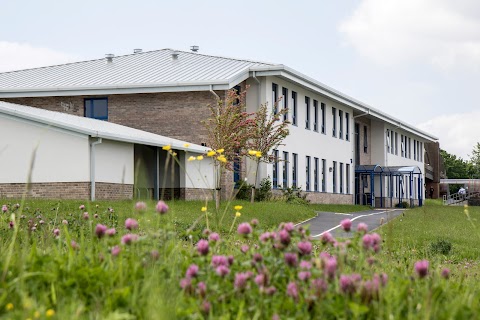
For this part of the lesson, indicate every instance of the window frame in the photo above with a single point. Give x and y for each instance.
(275, 169)
(334, 118)
(307, 115)
(294, 109)
(307, 173)
(275, 97)
(294, 170)
(315, 115)
(347, 126)
(285, 103)
(323, 107)
(285, 170)
(92, 107)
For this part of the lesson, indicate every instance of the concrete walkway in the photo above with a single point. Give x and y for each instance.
(330, 221)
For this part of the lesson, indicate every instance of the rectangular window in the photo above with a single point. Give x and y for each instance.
(315, 175)
(307, 172)
(347, 174)
(365, 140)
(334, 125)
(294, 169)
(392, 138)
(402, 147)
(275, 97)
(324, 172)
(334, 178)
(315, 115)
(96, 108)
(347, 126)
(275, 169)
(294, 107)
(396, 144)
(388, 141)
(237, 166)
(414, 150)
(421, 151)
(340, 180)
(409, 148)
(307, 113)
(285, 103)
(285, 170)
(340, 121)
(238, 90)
(322, 106)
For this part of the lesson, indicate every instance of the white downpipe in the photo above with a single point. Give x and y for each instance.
(213, 92)
(92, 168)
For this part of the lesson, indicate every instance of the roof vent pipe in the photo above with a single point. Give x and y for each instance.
(175, 55)
(109, 57)
(137, 50)
(194, 48)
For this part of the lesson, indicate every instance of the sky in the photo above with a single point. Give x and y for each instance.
(417, 60)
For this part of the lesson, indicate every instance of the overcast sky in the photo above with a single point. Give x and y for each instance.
(418, 60)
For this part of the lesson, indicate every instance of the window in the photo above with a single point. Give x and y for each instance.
(315, 115)
(365, 140)
(396, 144)
(340, 121)
(96, 108)
(275, 169)
(237, 90)
(315, 175)
(324, 172)
(341, 178)
(294, 170)
(285, 170)
(294, 105)
(409, 148)
(307, 172)
(347, 175)
(334, 118)
(285, 103)
(307, 113)
(237, 166)
(334, 178)
(421, 151)
(322, 106)
(388, 141)
(347, 126)
(275, 97)
(392, 136)
(414, 150)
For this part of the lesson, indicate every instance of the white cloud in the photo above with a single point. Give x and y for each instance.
(443, 33)
(15, 56)
(458, 133)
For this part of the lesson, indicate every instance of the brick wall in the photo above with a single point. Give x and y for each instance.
(173, 114)
(67, 190)
(323, 197)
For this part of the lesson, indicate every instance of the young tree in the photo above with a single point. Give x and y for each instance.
(270, 129)
(475, 162)
(228, 130)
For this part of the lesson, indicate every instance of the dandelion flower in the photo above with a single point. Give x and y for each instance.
(238, 214)
(9, 306)
(258, 154)
(252, 152)
(238, 208)
(186, 145)
(220, 150)
(50, 313)
(211, 153)
(204, 209)
(222, 158)
(167, 147)
(200, 158)
(191, 158)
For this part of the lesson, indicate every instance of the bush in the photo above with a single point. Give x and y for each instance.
(264, 193)
(294, 195)
(244, 190)
(441, 246)
(403, 204)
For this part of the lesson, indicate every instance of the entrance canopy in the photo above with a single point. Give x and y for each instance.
(385, 170)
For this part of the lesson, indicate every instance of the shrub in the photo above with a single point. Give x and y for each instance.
(264, 193)
(244, 190)
(441, 246)
(403, 204)
(294, 195)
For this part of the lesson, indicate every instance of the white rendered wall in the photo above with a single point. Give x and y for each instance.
(200, 173)
(114, 162)
(61, 156)
(307, 142)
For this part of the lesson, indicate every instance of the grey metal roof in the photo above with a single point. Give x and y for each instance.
(94, 128)
(139, 69)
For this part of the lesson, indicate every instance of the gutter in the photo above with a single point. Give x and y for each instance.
(361, 115)
(92, 167)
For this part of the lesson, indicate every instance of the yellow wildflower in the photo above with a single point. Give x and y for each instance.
(192, 158)
(36, 314)
(204, 209)
(258, 154)
(238, 208)
(174, 154)
(167, 147)
(50, 313)
(9, 306)
(210, 153)
(222, 158)
(200, 158)
(238, 214)
(220, 150)
(186, 145)
(252, 152)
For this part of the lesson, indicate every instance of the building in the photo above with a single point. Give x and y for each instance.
(65, 156)
(339, 150)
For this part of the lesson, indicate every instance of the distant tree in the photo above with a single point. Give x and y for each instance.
(455, 167)
(269, 130)
(475, 162)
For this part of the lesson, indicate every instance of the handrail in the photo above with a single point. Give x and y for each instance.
(457, 198)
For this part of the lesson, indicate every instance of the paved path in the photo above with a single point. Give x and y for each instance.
(330, 221)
